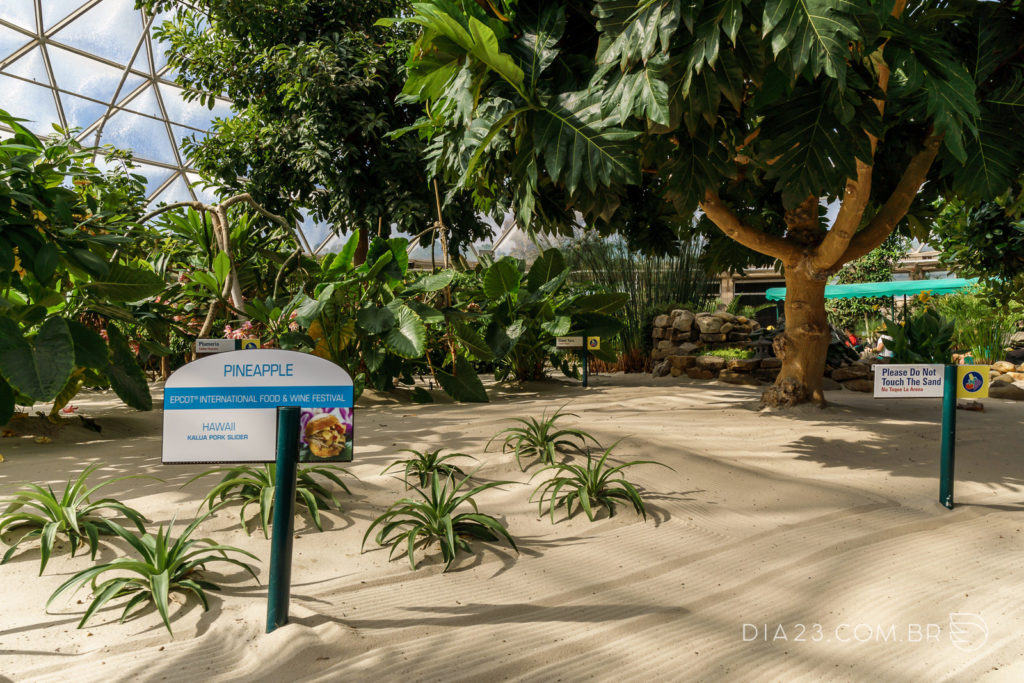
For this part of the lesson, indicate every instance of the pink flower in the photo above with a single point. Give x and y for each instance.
(177, 318)
(182, 277)
(293, 326)
(103, 333)
(247, 325)
(293, 315)
(227, 330)
(68, 409)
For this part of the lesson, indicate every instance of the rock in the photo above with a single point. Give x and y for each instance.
(713, 337)
(724, 317)
(676, 312)
(665, 344)
(1017, 376)
(661, 321)
(683, 322)
(995, 378)
(682, 362)
(738, 336)
(766, 374)
(726, 328)
(697, 373)
(1004, 366)
(689, 349)
(854, 371)
(864, 385)
(709, 324)
(659, 354)
(713, 363)
(676, 372)
(743, 364)
(661, 369)
(677, 335)
(731, 377)
(658, 333)
(770, 363)
(1013, 391)
(830, 384)
(754, 325)
(1020, 368)
(1017, 339)
(742, 319)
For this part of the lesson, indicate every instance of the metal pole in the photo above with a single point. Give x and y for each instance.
(585, 363)
(948, 436)
(279, 589)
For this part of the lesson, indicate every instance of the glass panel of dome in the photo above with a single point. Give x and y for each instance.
(55, 10)
(203, 192)
(80, 112)
(30, 66)
(144, 136)
(177, 191)
(111, 30)
(11, 40)
(181, 132)
(82, 75)
(190, 113)
(20, 12)
(142, 101)
(30, 101)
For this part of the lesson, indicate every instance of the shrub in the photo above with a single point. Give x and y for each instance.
(425, 463)
(925, 337)
(730, 353)
(541, 439)
(589, 486)
(72, 515)
(161, 565)
(249, 485)
(408, 522)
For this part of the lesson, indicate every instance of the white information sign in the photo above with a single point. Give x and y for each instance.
(569, 342)
(908, 381)
(223, 408)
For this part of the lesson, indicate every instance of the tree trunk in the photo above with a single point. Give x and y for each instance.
(804, 344)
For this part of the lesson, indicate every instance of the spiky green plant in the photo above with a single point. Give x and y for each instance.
(255, 485)
(424, 463)
(541, 439)
(589, 486)
(161, 564)
(72, 515)
(409, 523)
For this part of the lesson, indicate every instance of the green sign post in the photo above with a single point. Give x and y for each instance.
(279, 590)
(949, 389)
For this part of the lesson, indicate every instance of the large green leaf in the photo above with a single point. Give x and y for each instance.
(473, 342)
(432, 283)
(375, 320)
(536, 46)
(548, 266)
(501, 279)
(814, 33)
(127, 283)
(90, 349)
(579, 147)
(642, 93)
(408, 337)
(596, 325)
(609, 302)
(126, 377)
(428, 314)
(464, 385)
(41, 369)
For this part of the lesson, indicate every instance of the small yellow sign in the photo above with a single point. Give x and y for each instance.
(250, 344)
(593, 343)
(972, 381)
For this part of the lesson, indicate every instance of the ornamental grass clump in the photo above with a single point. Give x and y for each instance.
(541, 439)
(72, 515)
(434, 518)
(424, 463)
(589, 486)
(161, 564)
(255, 485)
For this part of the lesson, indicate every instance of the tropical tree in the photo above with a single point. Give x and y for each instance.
(757, 113)
(313, 86)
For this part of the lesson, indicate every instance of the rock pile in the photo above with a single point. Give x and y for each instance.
(1006, 380)
(683, 333)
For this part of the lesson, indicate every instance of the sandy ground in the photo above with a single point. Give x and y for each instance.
(806, 545)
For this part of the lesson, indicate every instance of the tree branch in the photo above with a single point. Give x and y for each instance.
(855, 201)
(898, 204)
(747, 235)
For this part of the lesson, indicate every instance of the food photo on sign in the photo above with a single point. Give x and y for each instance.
(325, 435)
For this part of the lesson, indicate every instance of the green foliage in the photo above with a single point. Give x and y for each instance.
(424, 464)
(925, 337)
(409, 522)
(161, 564)
(589, 486)
(730, 353)
(313, 86)
(66, 254)
(73, 515)
(251, 485)
(541, 439)
(982, 326)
